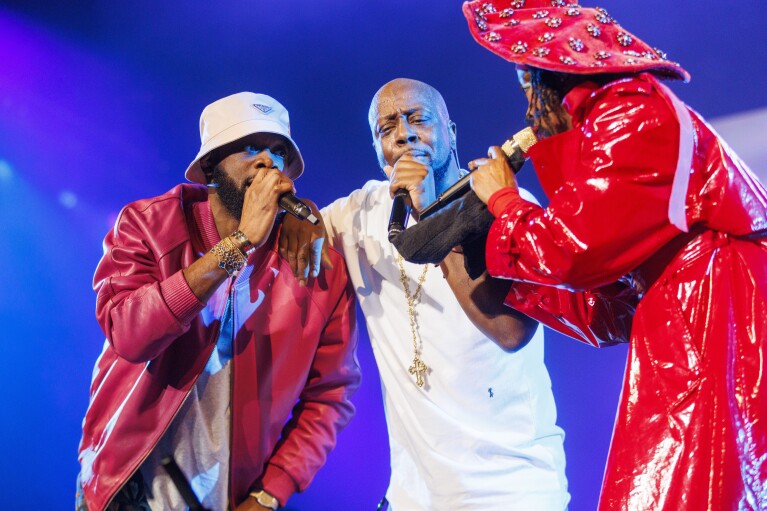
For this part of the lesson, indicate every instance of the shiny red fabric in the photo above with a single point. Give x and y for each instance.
(690, 431)
(293, 370)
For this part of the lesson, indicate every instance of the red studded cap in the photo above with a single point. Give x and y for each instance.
(562, 36)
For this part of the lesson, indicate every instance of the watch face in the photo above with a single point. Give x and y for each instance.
(265, 499)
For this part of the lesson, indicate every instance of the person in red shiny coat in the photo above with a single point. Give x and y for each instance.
(643, 194)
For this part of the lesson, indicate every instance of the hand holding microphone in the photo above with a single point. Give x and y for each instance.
(409, 184)
(513, 152)
(497, 170)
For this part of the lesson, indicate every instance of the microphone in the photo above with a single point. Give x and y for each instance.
(290, 203)
(293, 205)
(182, 484)
(400, 212)
(514, 148)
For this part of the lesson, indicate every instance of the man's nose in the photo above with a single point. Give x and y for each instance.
(264, 160)
(405, 133)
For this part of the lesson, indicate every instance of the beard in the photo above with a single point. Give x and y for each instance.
(440, 171)
(231, 196)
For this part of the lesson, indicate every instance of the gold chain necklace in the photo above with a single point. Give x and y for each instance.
(418, 368)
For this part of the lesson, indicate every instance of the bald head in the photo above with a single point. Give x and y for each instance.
(402, 90)
(410, 117)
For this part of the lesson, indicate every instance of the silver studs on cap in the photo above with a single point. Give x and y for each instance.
(506, 13)
(573, 11)
(517, 4)
(553, 22)
(558, 3)
(625, 39)
(546, 37)
(492, 37)
(602, 54)
(488, 8)
(593, 30)
(511, 23)
(480, 19)
(519, 48)
(576, 44)
(567, 60)
(540, 15)
(602, 16)
(661, 53)
(541, 52)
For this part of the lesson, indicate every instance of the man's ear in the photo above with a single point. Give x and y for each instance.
(453, 129)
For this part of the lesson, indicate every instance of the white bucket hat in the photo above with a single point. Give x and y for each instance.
(237, 116)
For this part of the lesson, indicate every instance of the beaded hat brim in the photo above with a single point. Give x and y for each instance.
(562, 36)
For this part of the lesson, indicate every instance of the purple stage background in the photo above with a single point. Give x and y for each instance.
(99, 106)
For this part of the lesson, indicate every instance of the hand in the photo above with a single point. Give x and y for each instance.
(260, 206)
(303, 245)
(491, 174)
(414, 174)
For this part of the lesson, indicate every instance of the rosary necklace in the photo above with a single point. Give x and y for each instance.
(418, 368)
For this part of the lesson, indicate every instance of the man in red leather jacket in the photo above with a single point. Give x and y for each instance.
(215, 353)
(642, 192)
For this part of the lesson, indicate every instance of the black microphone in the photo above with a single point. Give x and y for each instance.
(514, 148)
(293, 205)
(181, 483)
(400, 212)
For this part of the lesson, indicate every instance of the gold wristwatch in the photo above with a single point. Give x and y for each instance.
(265, 499)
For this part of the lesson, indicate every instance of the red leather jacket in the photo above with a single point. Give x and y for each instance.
(294, 353)
(643, 191)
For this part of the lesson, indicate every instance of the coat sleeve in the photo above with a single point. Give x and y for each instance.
(140, 310)
(324, 407)
(609, 212)
(599, 317)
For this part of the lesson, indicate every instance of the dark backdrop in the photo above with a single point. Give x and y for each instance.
(99, 106)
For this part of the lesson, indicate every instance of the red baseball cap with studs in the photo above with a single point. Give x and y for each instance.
(562, 36)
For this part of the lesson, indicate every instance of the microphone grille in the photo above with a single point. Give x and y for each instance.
(525, 139)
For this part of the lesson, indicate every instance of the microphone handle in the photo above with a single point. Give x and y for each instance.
(290, 203)
(400, 212)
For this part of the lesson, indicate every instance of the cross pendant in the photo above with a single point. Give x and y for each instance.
(418, 369)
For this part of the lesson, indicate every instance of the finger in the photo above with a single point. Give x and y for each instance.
(315, 255)
(293, 253)
(282, 242)
(303, 263)
(475, 164)
(327, 263)
(494, 152)
(388, 170)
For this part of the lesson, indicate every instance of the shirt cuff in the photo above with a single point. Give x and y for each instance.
(501, 199)
(179, 298)
(278, 483)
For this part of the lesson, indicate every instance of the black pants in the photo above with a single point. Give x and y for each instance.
(131, 497)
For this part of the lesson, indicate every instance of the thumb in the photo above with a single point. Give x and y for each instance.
(494, 152)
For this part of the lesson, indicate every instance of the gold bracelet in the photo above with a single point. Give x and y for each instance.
(246, 247)
(230, 259)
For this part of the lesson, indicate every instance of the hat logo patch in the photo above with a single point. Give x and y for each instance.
(265, 109)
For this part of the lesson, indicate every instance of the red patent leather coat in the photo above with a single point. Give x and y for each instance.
(293, 353)
(643, 191)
